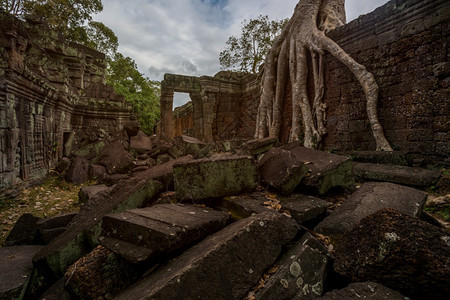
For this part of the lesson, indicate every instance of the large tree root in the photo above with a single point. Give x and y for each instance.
(300, 46)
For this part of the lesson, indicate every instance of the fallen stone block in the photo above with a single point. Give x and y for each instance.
(15, 270)
(78, 170)
(399, 251)
(131, 128)
(24, 231)
(304, 209)
(90, 151)
(243, 206)
(300, 273)
(371, 197)
(83, 231)
(50, 228)
(111, 180)
(364, 290)
(140, 143)
(116, 159)
(88, 192)
(326, 170)
(396, 174)
(63, 165)
(56, 292)
(99, 274)
(96, 172)
(281, 170)
(186, 145)
(259, 146)
(399, 158)
(215, 177)
(163, 228)
(225, 265)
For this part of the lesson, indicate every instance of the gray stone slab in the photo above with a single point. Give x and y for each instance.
(24, 232)
(56, 222)
(243, 206)
(163, 228)
(304, 208)
(301, 274)
(364, 290)
(15, 269)
(223, 266)
(281, 170)
(88, 192)
(371, 197)
(326, 170)
(131, 252)
(396, 174)
(215, 177)
(380, 157)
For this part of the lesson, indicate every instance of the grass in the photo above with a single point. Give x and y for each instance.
(55, 196)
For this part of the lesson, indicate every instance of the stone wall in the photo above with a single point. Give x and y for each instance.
(223, 107)
(405, 44)
(49, 89)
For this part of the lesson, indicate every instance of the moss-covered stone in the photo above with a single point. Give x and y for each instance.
(215, 177)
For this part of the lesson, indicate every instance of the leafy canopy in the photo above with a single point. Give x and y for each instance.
(140, 91)
(247, 52)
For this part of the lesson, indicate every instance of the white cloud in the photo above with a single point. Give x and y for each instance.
(186, 36)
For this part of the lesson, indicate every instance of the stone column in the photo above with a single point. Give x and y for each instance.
(197, 108)
(166, 106)
(208, 102)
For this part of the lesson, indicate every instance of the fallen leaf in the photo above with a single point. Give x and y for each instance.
(273, 269)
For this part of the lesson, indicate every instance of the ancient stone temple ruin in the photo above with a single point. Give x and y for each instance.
(405, 44)
(49, 90)
(222, 107)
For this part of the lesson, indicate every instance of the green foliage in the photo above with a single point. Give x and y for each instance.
(247, 52)
(138, 90)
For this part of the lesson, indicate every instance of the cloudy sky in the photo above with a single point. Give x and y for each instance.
(186, 36)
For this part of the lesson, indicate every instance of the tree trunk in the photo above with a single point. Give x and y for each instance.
(304, 37)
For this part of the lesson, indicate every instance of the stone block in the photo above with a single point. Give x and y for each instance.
(116, 159)
(56, 292)
(225, 265)
(381, 157)
(364, 290)
(396, 174)
(304, 209)
(400, 251)
(215, 177)
(243, 206)
(163, 228)
(90, 151)
(15, 270)
(96, 171)
(131, 128)
(78, 170)
(301, 274)
(88, 192)
(24, 231)
(326, 170)
(259, 146)
(281, 170)
(371, 197)
(186, 145)
(56, 222)
(140, 143)
(84, 228)
(99, 274)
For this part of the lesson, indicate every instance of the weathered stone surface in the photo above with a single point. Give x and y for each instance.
(243, 206)
(116, 159)
(50, 228)
(15, 269)
(56, 292)
(259, 146)
(24, 231)
(400, 158)
(88, 192)
(371, 197)
(111, 180)
(215, 177)
(186, 145)
(326, 170)
(63, 165)
(301, 274)
(90, 151)
(131, 128)
(282, 170)
(364, 290)
(84, 228)
(396, 174)
(309, 240)
(163, 228)
(78, 170)
(96, 171)
(304, 209)
(399, 251)
(140, 143)
(223, 266)
(129, 251)
(101, 273)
